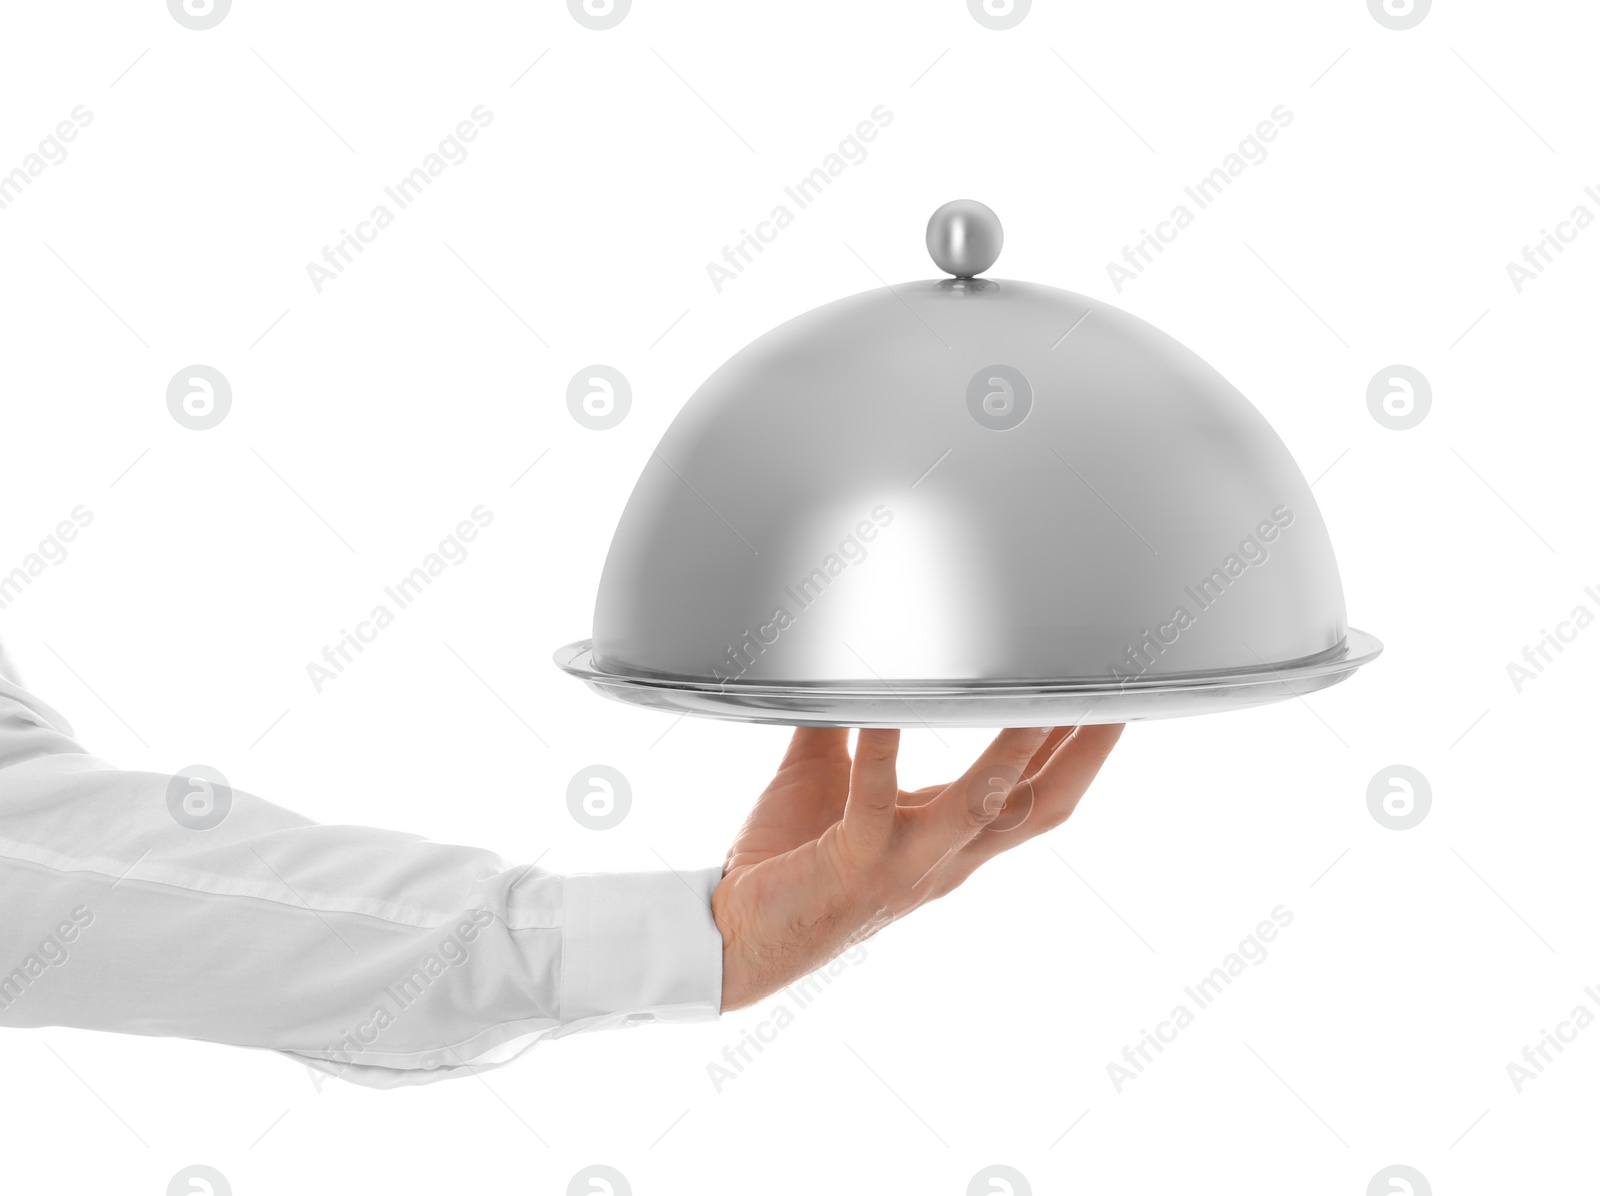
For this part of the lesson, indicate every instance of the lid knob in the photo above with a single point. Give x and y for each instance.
(964, 238)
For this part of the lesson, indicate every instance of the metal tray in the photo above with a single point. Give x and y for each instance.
(987, 704)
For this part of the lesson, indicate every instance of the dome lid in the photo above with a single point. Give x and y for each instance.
(967, 501)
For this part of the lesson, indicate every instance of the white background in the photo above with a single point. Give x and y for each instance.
(428, 376)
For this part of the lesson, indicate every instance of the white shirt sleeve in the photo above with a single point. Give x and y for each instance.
(372, 955)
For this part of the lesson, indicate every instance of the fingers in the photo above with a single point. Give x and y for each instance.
(802, 800)
(869, 811)
(1047, 800)
(971, 803)
(1052, 794)
(810, 743)
(922, 797)
(1051, 743)
(1066, 776)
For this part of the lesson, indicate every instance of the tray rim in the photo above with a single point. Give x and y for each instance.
(1356, 649)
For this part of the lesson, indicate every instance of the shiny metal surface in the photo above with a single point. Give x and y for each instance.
(1015, 705)
(964, 238)
(966, 486)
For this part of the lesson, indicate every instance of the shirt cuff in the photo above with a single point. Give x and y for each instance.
(639, 947)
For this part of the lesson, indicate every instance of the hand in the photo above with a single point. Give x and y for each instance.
(834, 850)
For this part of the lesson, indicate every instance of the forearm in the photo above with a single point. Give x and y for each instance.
(372, 954)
